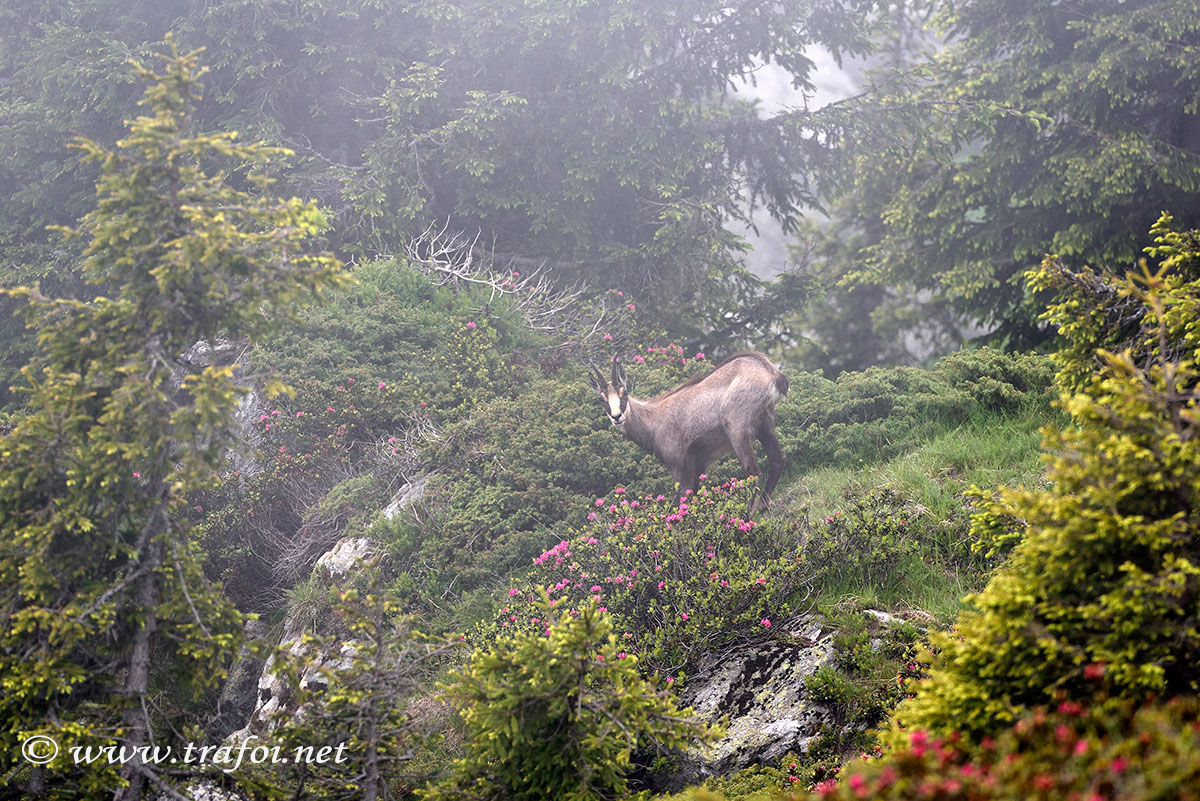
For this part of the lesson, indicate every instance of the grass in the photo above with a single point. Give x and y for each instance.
(928, 484)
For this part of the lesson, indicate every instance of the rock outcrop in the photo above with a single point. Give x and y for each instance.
(761, 687)
(270, 697)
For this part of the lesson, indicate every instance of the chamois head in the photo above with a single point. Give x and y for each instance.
(614, 393)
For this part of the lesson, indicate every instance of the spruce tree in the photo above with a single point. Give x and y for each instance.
(105, 614)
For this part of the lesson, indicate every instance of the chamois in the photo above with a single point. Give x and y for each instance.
(703, 418)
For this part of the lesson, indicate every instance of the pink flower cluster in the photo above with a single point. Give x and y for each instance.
(558, 553)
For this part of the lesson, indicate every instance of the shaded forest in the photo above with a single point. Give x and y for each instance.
(299, 454)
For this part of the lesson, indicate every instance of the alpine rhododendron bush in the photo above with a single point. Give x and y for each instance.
(1102, 753)
(678, 577)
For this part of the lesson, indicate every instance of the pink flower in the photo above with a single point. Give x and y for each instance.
(137, 475)
(700, 356)
(274, 412)
(620, 654)
(471, 324)
(684, 615)
(619, 490)
(640, 359)
(513, 592)
(330, 409)
(351, 381)
(299, 414)
(599, 501)
(670, 679)
(382, 385)
(662, 584)
(591, 515)
(595, 588)
(608, 337)
(262, 417)
(765, 623)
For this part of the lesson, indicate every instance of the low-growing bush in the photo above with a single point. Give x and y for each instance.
(678, 578)
(557, 713)
(1105, 579)
(1122, 754)
(328, 460)
(882, 412)
(511, 473)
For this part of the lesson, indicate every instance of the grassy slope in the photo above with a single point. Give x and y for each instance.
(930, 480)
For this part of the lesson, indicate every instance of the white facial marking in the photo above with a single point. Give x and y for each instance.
(614, 405)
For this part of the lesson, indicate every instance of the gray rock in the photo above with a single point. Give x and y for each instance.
(760, 686)
(273, 696)
(239, 695)
(410, 493)
(342, 558)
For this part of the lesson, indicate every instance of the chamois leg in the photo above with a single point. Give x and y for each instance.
(770, 443)
(742, 442)
(687, 476)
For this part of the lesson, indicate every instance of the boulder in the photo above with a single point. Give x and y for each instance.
(761, 687)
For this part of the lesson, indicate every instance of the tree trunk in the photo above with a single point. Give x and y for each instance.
(136, 719)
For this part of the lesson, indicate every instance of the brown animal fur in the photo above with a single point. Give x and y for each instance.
(704, 418)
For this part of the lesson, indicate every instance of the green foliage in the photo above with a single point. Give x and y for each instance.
(109, 627)
(1041, 127)
(514, 471)
(355, 703)
(1095, 311)
(678, 578)
(397, 325)
(328, 459)
(1128, 753)
(605, 144)
(558, 714)
(883, 412)
(1106, 577)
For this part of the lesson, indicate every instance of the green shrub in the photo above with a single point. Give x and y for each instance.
(679, 578)
(1123, 754)
(352, 691)
(557, 714)
(1106, 577)
(327, 461)
(514, 471)
(396, 325)
(883, 412)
